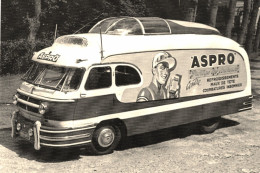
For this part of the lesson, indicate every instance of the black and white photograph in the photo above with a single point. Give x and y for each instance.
(131, 86)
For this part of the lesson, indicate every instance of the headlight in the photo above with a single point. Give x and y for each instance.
(30, 132)
(18, 127)
(43, 108)
(15, 97)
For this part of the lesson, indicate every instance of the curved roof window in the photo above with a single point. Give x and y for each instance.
(132, 26)
(128, 26)
(155, 25)
(149, 26)
(104, 25)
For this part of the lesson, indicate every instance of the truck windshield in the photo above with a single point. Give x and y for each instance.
(52, 77)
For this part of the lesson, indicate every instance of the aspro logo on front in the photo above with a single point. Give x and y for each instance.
(48, 57)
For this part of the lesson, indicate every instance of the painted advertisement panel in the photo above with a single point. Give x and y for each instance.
(182, 73)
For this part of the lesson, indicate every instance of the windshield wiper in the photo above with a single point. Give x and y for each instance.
(46, 86)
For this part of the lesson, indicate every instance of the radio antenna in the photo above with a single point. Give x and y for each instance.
(87, 24)
(55, 33)
(101, 51)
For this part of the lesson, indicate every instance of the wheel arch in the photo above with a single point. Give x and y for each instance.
(118, 122)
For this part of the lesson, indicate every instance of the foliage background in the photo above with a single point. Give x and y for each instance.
(70, 15)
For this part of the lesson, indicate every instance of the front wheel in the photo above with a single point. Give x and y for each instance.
(210, 125)
(105, 139)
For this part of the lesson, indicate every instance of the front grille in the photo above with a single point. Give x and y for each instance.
(30, 100)
(32, 109)
(23, 97)
(33, 100)
(21, 105)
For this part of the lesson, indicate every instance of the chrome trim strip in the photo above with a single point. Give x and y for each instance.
(243, 109)
(44, 98)
(66, 131)
(247, 103)
(65, 138)
(65, 145)
(28, 103)
(72, 124)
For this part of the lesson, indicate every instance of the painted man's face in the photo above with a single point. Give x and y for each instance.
(161, 72)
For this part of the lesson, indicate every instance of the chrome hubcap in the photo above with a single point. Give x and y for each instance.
(106, 137)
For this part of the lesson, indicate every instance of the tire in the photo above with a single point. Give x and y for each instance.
(105, 139)
(210, 125)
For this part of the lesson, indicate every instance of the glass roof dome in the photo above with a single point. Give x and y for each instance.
(131, 26)
(146, 26)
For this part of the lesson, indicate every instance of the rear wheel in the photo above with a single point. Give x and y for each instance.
(210, 125)
(105, 139)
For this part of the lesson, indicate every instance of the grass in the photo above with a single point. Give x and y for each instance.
(8, 87)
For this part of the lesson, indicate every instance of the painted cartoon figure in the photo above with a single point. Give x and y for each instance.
(162, 64)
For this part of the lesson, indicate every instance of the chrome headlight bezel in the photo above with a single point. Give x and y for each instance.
(30, 132)
(18, 127)
(43, 107)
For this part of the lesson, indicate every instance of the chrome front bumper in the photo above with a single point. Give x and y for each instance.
(50, 136)
(36, 132)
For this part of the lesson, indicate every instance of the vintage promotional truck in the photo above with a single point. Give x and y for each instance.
(128, 76)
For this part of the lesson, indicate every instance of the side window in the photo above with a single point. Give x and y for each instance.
(126, 75)
(99, 77)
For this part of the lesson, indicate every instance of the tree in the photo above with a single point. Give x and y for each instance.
(242, 32)
(257, 37)
(251, 27)
(213, 12)
(34, 23)
(191, 10)
(231, 16)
